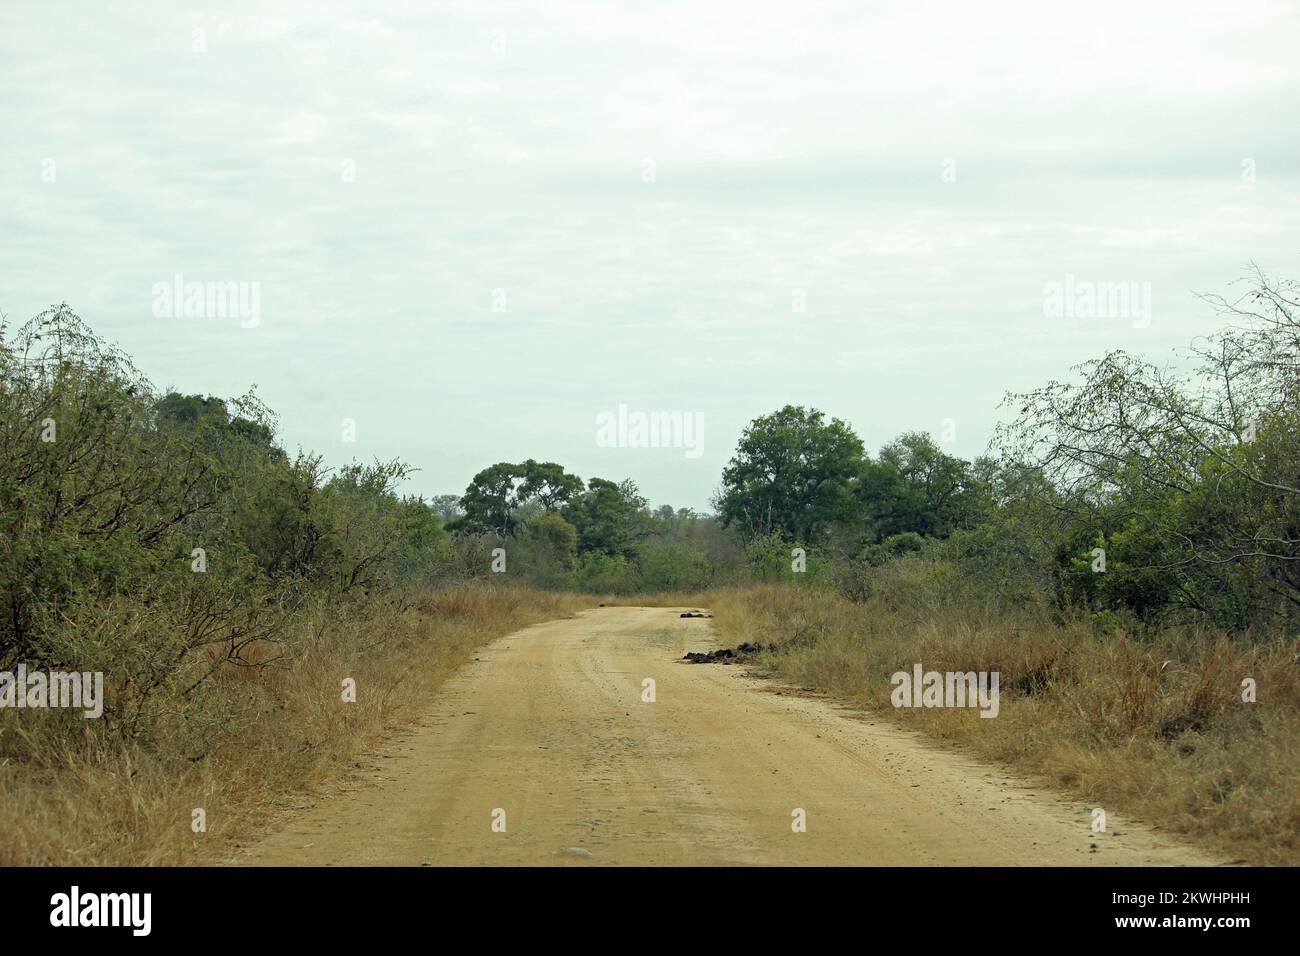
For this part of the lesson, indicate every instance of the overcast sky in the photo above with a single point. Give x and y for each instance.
(474, 227)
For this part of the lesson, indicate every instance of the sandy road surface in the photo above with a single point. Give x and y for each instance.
(549, 726)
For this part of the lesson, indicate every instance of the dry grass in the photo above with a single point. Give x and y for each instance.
(654, 599)
(1152, 731)
(77, 795)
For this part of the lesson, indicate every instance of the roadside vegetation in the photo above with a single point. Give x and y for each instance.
(1128, 561)
(1149, 728)
(253, 740)
(1126, 556)
(225, 589)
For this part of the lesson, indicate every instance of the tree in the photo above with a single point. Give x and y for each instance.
(792, 473)
(1189, 482)
(366, 527)
(916, 487)
(494, 498)
(112, 499)
(447, 508)
(610, 517)
(548, 484)
(673, 566)
(188, 411)
(490, 500)
(94, 497)
(558, 536)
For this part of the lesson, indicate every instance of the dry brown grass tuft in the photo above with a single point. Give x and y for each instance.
(1155, 731)
(255, 738)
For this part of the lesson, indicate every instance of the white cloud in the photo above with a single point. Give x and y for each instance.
(502, 146)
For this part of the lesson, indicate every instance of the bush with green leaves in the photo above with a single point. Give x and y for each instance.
(601, 573)
(161, 537)
(673, 566)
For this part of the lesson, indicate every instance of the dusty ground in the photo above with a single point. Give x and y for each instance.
(548, 724)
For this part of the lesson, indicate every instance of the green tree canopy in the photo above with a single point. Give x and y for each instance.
(792, 473)
(916, 487)
(610, 518)
(492, 501)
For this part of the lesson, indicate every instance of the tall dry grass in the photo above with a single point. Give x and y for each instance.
(654, 599)
(1152, 730)
(75, 793)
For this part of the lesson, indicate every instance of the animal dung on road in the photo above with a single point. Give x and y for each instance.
(710, 657)
(724, 655)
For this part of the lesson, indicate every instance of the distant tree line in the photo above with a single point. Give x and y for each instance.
(1144, 496)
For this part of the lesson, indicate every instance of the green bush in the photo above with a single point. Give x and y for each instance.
(161, 537)
(601, 573)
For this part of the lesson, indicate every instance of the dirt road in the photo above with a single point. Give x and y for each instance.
(549, 726)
